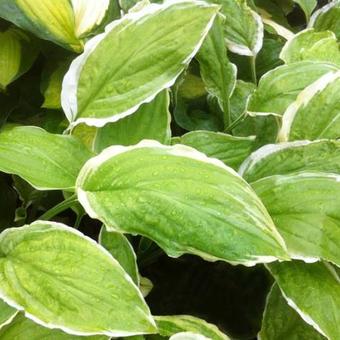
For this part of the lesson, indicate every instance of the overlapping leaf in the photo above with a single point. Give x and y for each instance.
(55, 274)
(286, 158)
(305, 209)
(313, 290)
(47, 161)
(135, 190)
(135, 59)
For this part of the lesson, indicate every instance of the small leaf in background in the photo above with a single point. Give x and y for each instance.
(52, 78)
(327, 18)
(316, 112)
(171, 324)
(22, 328)
(150, 121)
(218, 73)
(120, 248)
(290, 157)
(135, 190)
(231, 150)
(280, 321)
(313, 290)
(110, 81)
(307, 6)
(312, 46)
(7, 313)
(280, 87)
(45, 160)
(243, 27)
(17, 54)
(41, 260)
(305, 209)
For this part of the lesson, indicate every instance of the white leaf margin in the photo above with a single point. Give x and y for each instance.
(302, 101)
(50, 325)
(178, 150)
(70, 82)
(245, 50)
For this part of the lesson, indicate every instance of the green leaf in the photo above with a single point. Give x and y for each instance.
(52, 79)
(279, 87)
(22, 328)
(45, 160)
(151, 121)
(280, 321)
(120, 248)
(313, 290)
(286, 158)
(327, 18)
(312, 46)
(302, 119)
(136, 190)
(7, 313)
(172, 324)
(243, 28)
(231, 150)
(17, 53)
(63, 279)
(63, 22)
(218, 73)
(307, 6)
(132, 65)
(309, 225)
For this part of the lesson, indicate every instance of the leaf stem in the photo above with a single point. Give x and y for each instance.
(57, 209)
(253, 69)
(236, 122)
(226, 114)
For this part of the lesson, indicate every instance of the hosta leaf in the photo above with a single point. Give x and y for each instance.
(63, 279)
(48, 19)
(124, 68)
(120, 248)
(280, 321)
(313, 290)
(170, 325)
(313, 46)
(279, 88)
(52, 79)
(45, 160)
(136, 190)
(305, 209)
(229, 149)
(307, 6)
(62, 21)
(327, 18)
(218, 73)
(243, 27)
(285, 158)
(7, 313)
(151, 121)
(17, 53)
(316, 112)
(22, 328)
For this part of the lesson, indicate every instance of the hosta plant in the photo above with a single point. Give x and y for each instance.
(169, 170)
